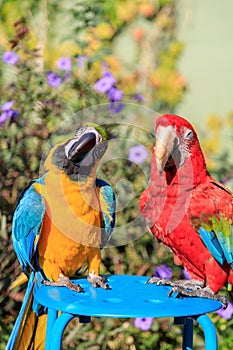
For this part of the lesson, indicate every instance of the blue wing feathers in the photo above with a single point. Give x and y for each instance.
(24, 249)
(21, 315)
(26, 223)
(107, 194)
(219, 245)
(28, 302)
(29, 213)
(212, 243)
(226, 245)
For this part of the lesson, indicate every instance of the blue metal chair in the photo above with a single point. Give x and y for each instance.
(129, 297)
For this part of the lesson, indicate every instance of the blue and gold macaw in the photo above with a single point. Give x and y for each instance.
(61, 221)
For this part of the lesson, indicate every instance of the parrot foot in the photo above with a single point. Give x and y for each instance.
(194, 284)
(205, 292)
(64, 281)
(98, 281)
(190, 288)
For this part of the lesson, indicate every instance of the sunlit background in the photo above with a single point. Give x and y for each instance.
(58, 58)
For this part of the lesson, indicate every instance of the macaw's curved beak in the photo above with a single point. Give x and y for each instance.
(165, 139)
(77, 149)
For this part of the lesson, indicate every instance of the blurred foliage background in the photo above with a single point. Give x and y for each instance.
(52, 55)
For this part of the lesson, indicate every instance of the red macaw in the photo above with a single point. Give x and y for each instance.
(61, 221)
(187, 210)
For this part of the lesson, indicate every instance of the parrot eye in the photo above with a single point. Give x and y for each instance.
(188, 135)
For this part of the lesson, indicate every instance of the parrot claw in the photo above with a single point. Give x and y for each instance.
(194, 284)
(190, 288)
(159, 281)
(64, 281)
(199, 292)
(98, 281)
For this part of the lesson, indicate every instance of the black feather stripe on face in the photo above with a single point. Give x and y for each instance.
(59, 156)
(59, 159)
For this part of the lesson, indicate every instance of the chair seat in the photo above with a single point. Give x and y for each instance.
(129, 297)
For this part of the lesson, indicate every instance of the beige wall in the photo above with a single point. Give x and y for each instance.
(206, 27)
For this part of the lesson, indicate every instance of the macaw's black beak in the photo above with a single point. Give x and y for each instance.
(79, 148)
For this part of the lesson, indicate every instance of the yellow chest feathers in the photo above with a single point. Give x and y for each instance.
(72, 209)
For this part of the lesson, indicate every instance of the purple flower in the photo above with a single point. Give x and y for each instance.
(143, 323)
(227, 313)
(10, 57)
(115, 94)
(186, 274)
(105, 83)
(81, 60)
(8, 112)
(139, 97)
(163, 271)
(116, 107)
(137, 154)
(13, 114)
(67, 76)
(64, 63)
(53, 79)
(7, 106)
(3, 118)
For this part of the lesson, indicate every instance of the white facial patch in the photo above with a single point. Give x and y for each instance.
(68, 146)
(87, 129)
(82, 131)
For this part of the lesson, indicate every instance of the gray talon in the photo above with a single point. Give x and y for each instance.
(98, 281)
(64, 281)
(189, 288)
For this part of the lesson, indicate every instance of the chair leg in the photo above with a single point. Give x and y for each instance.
(187, 324)
(188, 334)
(57, 331)
(211, 340)
(52, 316)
